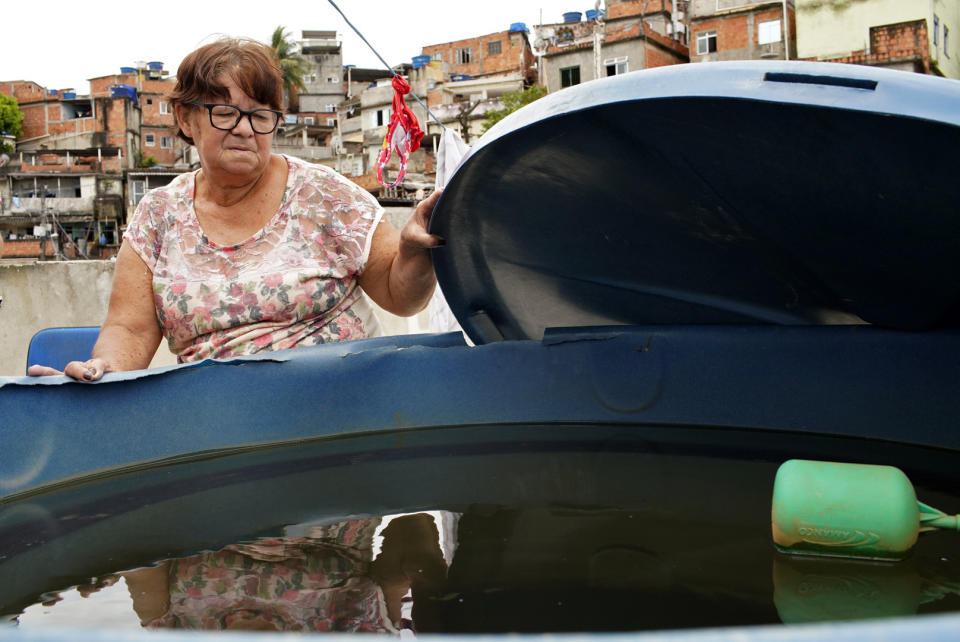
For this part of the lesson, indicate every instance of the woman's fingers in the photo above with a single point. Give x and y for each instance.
(91, 370)
(415, 231)
(42, 371)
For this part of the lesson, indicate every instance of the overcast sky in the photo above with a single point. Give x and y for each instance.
(60, 44)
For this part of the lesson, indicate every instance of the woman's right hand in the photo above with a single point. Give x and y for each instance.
(90, 370)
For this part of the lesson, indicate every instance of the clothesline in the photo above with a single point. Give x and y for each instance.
(388, 67)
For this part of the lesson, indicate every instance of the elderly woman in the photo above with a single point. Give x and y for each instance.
(254, 251)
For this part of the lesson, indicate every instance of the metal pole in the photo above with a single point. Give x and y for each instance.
(786, 32)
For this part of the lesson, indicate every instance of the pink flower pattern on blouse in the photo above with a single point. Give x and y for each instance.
(315, 583)
(294, 283)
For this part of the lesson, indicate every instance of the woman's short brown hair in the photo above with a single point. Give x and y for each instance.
(251, 64)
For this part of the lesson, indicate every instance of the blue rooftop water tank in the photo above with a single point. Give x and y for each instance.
(155, 65)
(127, 70)
(572, 16)
(518, 26)
(591, 14)
(420, 61)
(69, 95)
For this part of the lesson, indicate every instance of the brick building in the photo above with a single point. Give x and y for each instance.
(69, 179)
(911, 35)
(464, 79)
(631, 36)
(742, 30)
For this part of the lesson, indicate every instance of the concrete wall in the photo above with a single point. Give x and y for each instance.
(51, 294)
(835, 28)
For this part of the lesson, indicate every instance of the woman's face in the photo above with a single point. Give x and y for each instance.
(235, 154)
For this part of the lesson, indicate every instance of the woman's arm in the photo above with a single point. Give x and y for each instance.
(130, 335)
(150, 591)
(399, 274)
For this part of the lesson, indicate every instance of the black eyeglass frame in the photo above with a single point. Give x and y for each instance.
(241, 113)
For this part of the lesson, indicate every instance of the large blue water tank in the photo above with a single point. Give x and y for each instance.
(127, 70)
(420, 61)
(572, 16)
(518, 26)
(155, 65)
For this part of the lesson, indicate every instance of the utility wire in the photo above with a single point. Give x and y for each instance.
(388, 67)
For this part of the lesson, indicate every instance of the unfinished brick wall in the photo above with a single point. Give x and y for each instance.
(901, 42)
(23, 91)
(625, 8)
(515, 54)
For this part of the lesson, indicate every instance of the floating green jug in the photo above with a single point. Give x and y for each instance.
(849, 510)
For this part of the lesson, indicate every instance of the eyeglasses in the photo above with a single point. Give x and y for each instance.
(226, 117)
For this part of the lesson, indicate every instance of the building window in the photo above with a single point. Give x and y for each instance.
(437, 55)
(166, 142)
(706, 42)
(332, 108)
(768, 32)
(164, 107)
(148, 140)
(464, 55)
(493, 48)
(570, 76)
(332, 79)
(616, 65)
(936, 30)
(149, 101)
(308, 120)
(139, 189)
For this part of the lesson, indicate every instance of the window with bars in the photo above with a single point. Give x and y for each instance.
(464, 55)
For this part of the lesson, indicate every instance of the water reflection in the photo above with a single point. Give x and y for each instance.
(494, 568)
(326, 578)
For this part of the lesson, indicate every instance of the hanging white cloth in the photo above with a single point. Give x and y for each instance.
(450, 152)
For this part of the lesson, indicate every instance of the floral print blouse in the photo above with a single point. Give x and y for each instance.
(294, 283)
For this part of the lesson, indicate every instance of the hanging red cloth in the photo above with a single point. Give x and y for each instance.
(403, 134)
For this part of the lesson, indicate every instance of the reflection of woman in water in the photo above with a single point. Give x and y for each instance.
(326, 581)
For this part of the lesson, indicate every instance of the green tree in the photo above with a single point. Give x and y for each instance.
(292, 65)
(512, 101)
(11, 120)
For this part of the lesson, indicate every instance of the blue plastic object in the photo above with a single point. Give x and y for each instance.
(56, 347)
(572, 16)
(644, 232)
(518, 26)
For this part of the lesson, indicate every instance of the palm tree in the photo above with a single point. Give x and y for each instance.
(292, 65)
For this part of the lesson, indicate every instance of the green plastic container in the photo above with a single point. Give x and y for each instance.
(848, 510)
